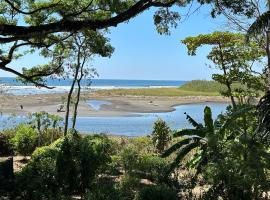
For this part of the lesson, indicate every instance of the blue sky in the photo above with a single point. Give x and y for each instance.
(141, 53)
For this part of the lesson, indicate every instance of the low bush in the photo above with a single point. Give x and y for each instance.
(129, 159)
(143, 144)
(48, 136)
(25, 140)
(68, 166)
(103, 189)
(38, 180)
(128, 186)
(155, 192)
(153, 167)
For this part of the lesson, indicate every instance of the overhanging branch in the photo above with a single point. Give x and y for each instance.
(14, 32)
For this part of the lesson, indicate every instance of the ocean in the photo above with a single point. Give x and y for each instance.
(12, 86)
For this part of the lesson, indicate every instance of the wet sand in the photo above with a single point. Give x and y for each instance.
(120, 105)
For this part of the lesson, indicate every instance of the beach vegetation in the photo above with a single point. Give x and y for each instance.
(25, 140)
(190, 88)
(226, 158)
(161, 135)
(47, 125)
(167, 92)
(66, 167)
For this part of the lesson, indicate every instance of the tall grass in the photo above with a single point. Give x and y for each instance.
(192, 88)
(203, 86)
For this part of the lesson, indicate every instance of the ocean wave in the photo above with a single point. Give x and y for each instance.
(24, 90)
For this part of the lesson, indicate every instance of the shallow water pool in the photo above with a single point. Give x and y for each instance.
(138, 125)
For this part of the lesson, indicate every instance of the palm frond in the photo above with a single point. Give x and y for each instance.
(175, 147)
(182, 153)
(193, 122)
(195, 160)
(189, 132)
(259, 25)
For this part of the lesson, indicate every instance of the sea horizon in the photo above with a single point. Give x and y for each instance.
(12, 86)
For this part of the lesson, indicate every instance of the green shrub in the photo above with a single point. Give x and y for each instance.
(6, 147)
(103, 189)
(127, 187)
(38, 179)
(155, 192)
(80, 160)
(143, 144)
(70, 166)
(47, 126)
(25, 140)
(49, 135)
(161, 135)
(152, 167)
(129, 159)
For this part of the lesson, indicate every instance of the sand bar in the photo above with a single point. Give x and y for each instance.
(120, 105)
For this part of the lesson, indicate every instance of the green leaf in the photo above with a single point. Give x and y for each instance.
(193, 122)
(182, 153)
(175, 147)
(189, 132)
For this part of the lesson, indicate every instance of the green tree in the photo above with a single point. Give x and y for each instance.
(252, 17)
(235, 58)
(76, 53)
(161, 135)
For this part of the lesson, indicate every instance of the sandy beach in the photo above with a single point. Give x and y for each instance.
(120, 105)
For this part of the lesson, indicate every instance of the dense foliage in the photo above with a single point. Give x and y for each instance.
(68, 166)
(226, 158)
(235, 58)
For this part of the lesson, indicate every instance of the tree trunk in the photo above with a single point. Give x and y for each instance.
(228, 84)
(267, 49)
(77, 102)
(70, 93)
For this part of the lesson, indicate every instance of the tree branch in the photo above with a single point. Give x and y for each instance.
(24, 77)
(15, 32)
(33, 11)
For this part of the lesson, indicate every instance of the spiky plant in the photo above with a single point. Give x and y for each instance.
(197, 138)
(206, 138)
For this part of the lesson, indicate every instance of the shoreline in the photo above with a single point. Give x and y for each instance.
(127, 105)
